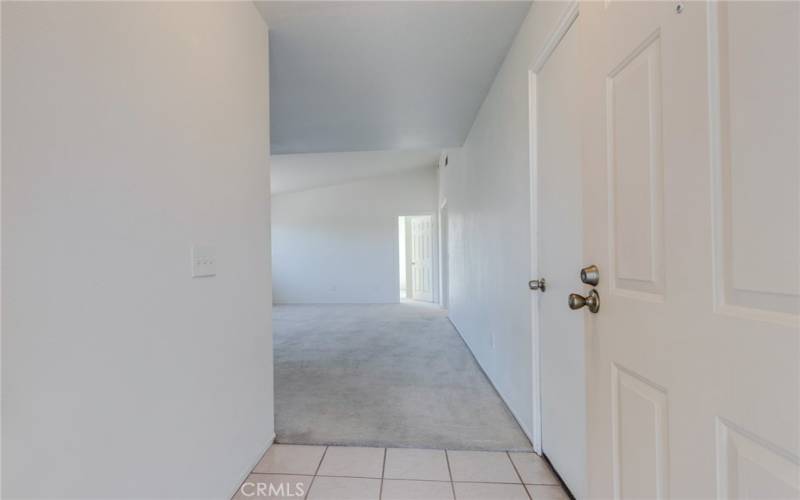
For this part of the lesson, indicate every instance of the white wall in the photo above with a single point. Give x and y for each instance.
(487, 187)
(130, 132)
(339, 244)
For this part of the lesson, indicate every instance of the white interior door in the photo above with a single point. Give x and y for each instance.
(422, 258)
(555, 89)
(692, 213)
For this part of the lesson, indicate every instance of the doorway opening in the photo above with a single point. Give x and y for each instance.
(416, 261)
(444, 257)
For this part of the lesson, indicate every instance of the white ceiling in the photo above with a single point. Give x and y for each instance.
(382, 75)
(296, 172)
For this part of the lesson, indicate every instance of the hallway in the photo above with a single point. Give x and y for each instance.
(383, 375)
(400, 250)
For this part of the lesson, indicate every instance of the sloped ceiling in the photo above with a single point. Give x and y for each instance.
(298, 172)
(384, 75)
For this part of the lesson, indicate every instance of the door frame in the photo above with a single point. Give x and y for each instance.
(566, 21)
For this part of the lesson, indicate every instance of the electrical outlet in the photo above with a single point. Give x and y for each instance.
(204, 261)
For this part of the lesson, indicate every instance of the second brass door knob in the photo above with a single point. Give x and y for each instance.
(591, 301)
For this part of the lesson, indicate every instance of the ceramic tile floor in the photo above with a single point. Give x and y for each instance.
(357, 473)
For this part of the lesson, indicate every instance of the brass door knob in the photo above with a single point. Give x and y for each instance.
(591, 301)
(590, 275)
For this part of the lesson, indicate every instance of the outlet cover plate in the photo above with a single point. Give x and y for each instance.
(204, 261)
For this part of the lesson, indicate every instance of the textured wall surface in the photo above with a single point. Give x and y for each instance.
(132, 131)
(339, 244)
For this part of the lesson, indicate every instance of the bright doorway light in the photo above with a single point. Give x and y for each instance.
(415, 237)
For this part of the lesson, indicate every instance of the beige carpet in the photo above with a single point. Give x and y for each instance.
(395, 375)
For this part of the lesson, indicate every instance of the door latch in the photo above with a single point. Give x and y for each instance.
(539, 284)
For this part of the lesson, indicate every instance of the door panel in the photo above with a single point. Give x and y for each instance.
(756, 157)
(639, 436)
(559, 252)
(691, 212)
(636, 176)
(750, 468)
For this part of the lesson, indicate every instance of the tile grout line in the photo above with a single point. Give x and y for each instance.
(383, 473)
(280, 474)
(391, 478)
(416, 480)
(450, 473)
(488, 482)
(316, 471)
(519, 475)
